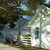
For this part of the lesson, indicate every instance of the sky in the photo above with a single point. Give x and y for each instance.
(23, 7)
(47, 1)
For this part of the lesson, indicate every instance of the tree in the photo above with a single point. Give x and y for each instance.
(34, 3)
(9, 12)
(49, 3)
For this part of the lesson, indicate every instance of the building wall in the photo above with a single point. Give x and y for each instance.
(7, 31)
(43, 23)
(10, 31)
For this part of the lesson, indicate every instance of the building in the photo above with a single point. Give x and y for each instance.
(40, 27)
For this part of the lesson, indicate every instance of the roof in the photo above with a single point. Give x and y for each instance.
(35, 16)
(47, 5)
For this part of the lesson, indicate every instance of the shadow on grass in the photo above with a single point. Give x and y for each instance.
(25, 47)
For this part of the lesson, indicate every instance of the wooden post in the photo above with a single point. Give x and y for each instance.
(40, 31)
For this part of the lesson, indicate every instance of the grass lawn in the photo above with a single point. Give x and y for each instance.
(23, 47)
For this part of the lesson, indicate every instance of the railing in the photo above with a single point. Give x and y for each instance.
(26, 40)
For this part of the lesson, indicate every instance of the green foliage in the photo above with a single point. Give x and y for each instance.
(27, 35)
(29, 13)
(34, 3)
(10, 13)
(10, 1)
(49, 3)
(3, 19)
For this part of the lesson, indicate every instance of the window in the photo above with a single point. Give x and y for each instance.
(36, 32)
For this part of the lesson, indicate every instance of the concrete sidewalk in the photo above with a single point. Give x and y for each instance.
(7, 47)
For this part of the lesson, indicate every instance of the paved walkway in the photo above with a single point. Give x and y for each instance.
(7, 47)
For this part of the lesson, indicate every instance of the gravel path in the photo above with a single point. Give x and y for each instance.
(7, 47)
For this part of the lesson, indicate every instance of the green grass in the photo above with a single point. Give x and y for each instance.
(31, 48)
